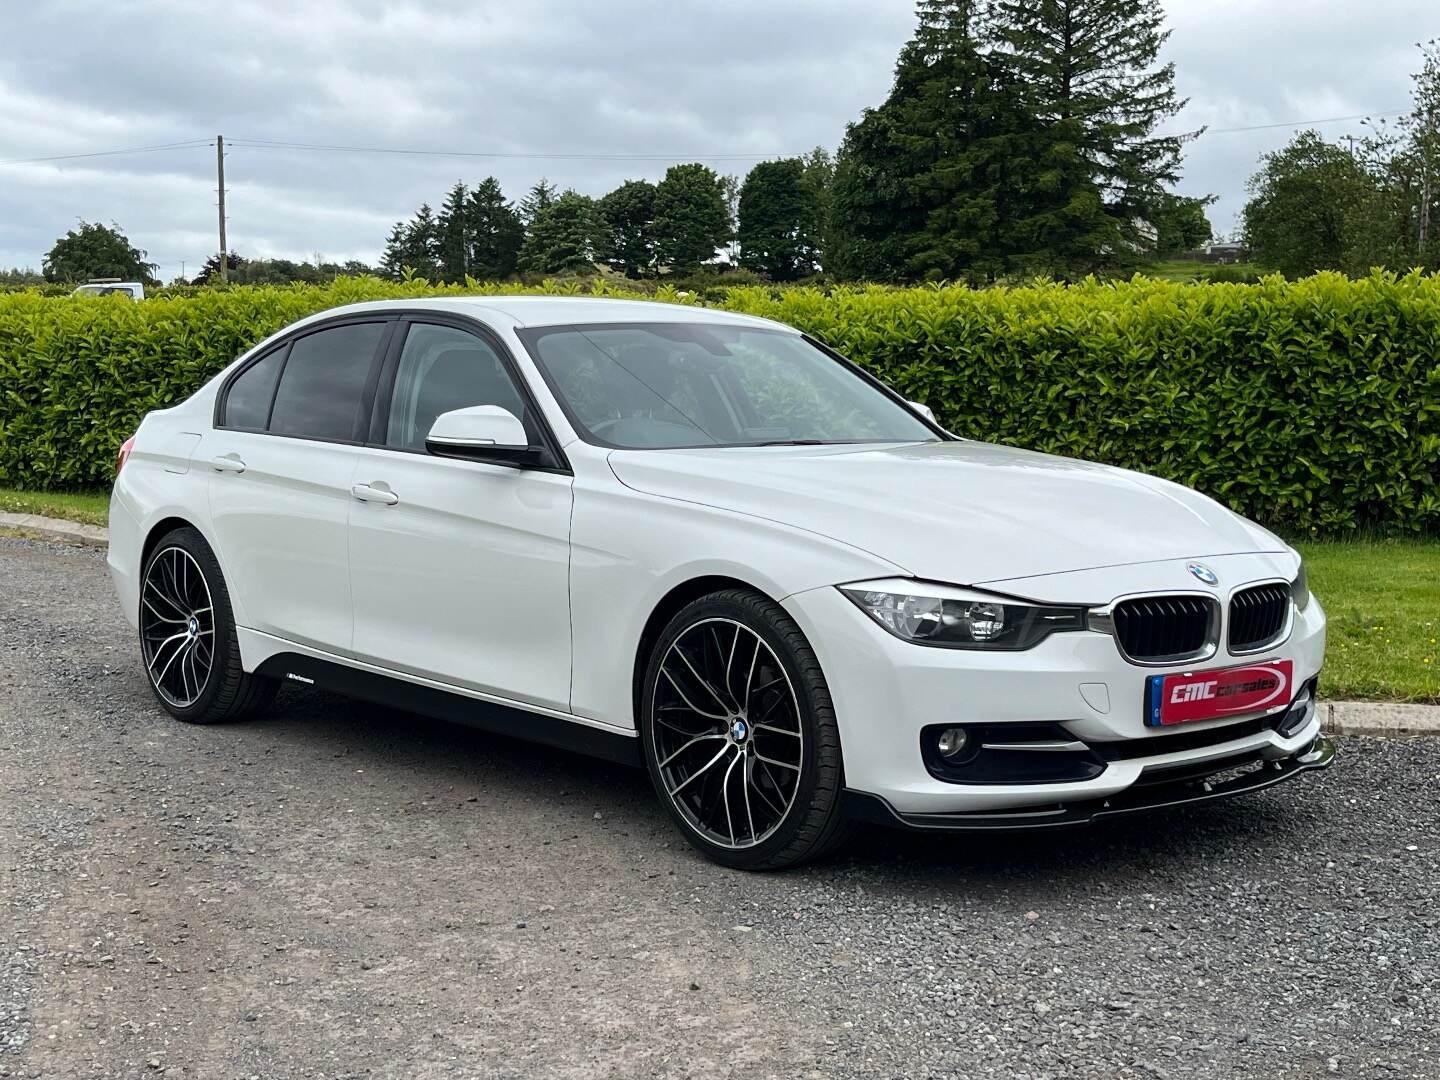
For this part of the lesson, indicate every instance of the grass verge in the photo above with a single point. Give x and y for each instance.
(87, 507)
(1383, 601)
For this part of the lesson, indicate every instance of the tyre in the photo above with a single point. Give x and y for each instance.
(739, 734)
(187, 636)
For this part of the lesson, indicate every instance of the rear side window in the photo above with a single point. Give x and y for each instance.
(323, 382)
(247, 405)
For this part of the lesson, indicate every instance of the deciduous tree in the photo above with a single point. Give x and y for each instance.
(93, 250)
(779, 220)
(691, 219)
(1306, 202)
(627, 228)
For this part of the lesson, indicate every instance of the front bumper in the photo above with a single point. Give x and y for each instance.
(1228, 780)
(887, 692)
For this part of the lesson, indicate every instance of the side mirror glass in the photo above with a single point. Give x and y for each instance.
(482, 433)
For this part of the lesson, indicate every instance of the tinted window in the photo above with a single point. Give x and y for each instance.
(441, 369)
(323, 381)
(248, 403)
(672, 384)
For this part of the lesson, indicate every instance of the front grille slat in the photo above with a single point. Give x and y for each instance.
(1156, 628)
(1258, 616)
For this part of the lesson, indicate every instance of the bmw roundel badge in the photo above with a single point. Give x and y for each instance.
(1203, 573)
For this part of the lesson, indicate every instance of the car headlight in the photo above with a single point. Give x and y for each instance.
(959, 618)
(1300, 589)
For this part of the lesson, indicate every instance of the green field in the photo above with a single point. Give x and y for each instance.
(1382, 596)
(1187, 270)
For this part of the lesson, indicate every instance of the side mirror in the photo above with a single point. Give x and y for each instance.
(924, 410)
(482, 433)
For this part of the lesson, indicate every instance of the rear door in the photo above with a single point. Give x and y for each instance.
(281, 461)
(460, 569)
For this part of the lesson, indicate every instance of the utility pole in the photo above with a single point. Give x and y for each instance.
(220, 181)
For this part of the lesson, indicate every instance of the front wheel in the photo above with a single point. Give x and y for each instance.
(739, 734)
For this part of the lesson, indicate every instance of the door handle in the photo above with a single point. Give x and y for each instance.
(367, 493)
(227, 463)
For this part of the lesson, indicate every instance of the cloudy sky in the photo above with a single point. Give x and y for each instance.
(586, 94)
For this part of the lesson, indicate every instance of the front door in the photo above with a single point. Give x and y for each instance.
(459, 569)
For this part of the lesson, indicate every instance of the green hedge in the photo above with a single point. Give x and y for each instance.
(1310, 405)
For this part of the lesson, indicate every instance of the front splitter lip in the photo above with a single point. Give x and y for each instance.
(1136, 799)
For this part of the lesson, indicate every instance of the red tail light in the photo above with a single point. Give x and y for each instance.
(125, 448)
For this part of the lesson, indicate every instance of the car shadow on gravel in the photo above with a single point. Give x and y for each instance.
(1139, 850)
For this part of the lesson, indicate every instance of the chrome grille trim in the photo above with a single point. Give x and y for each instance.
(1260, 616)
(1174, 608)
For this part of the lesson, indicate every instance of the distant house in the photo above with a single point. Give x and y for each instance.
(1226, 251)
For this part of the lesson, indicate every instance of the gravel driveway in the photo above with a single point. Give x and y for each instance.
(343, 891)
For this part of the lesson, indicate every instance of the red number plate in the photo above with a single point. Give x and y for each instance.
(1205, 695)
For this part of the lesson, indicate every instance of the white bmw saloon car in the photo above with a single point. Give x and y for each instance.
(708, 544)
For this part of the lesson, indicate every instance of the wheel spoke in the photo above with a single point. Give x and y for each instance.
(699, 678)
(761, 791)
(700, 772)
(687, 746)
(776, 730)
(725, 793)
(686, 698)
(730, 660)
(745, 774)
(161, 594)
(156, 612)
(173, 637)
(772, 761)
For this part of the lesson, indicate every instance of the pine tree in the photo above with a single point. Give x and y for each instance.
(495, 232)
(779, 218)
(561, 237)
(421, 244)
(453, 236)
(627, 228)
(392, 263)
(939, 181)
(539, 197)
(1090, 72)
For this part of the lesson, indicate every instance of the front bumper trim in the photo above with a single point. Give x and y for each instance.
(1145, 795)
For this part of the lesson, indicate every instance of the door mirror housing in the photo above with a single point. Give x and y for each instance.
(482, 433)
(924, 410)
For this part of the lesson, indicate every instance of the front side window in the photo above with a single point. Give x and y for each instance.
(323, 382)
(442, 369)
(668, 385)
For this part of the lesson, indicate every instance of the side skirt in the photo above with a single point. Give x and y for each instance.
(455, 708)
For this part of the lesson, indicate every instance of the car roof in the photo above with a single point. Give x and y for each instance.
(564, 310)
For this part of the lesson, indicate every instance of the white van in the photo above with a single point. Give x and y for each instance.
(106, 286)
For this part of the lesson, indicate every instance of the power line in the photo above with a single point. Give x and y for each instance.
(267, 144)
(1290, 124)
(193, 143)
(275, 144)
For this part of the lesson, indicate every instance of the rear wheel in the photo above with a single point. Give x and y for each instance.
(187, 635)
(739, 734)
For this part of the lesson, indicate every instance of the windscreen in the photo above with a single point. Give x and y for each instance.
(670, 385)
